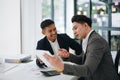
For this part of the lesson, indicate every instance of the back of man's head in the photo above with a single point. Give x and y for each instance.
(46, 23)
(81, 19)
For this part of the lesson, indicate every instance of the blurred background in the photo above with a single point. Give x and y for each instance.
(20, 21)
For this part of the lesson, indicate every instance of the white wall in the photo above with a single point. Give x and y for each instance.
(19, 26)
(31, 18)
(10, 27)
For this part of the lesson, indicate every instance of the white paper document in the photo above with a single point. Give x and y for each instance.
(40, 54)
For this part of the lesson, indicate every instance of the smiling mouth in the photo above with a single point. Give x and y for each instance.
(54, 35)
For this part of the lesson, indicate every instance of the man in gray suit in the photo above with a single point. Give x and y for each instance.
(95, 63)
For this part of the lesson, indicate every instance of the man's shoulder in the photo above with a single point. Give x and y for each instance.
(94, 35)
(62, 35)
(42, 40)
(97, 37)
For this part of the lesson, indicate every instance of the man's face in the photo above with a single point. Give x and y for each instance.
(51, 32)
(79, 30)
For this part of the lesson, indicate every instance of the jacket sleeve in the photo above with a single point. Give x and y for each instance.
(93, 58)
(74, 45)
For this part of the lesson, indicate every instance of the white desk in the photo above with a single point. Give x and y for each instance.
(29, 71)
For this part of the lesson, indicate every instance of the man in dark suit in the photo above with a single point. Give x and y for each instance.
(53, 41)
(95, 63)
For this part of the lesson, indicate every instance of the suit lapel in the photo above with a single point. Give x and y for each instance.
(84, 57)
(88, 41)
(60, 42)
(48, 46)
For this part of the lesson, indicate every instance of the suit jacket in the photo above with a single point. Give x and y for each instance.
(64, 41)
(95, 64)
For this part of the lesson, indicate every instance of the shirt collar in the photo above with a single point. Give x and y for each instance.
(86, 39)
(52, 42)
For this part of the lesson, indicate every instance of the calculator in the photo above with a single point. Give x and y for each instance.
(50, 73)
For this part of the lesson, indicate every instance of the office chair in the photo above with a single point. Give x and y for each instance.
(117, 59)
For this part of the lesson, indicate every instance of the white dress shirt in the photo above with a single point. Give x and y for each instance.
(85, 41)
(55, 46)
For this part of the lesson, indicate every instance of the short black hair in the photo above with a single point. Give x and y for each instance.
(46, 23)
(81, 19)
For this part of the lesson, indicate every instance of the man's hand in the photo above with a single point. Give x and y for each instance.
(63, 53)
(55, 61)
(39, 59)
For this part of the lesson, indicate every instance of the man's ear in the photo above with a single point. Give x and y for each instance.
(86, 25)
(43, 32)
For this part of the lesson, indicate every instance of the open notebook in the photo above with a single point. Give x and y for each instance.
(40, 55)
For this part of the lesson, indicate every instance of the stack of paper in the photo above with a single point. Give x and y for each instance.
(18, 58)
